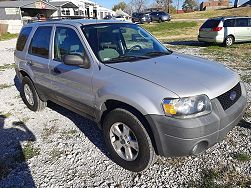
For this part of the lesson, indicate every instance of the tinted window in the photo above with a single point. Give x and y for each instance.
(211, 24)
(40, 42)
(67, 42)
(249, 20)
(241, 22)
(23, 38)
(229, 23)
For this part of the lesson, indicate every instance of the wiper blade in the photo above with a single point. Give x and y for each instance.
(126, 58)
(156, 53)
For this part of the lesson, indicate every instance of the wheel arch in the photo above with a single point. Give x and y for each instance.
(112, 104)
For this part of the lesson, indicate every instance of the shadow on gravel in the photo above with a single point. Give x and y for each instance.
(17, 83)
(14, 171)
(245, 124)
(86, 126)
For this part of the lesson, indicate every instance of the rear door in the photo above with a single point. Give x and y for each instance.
(242, 29)
(38, 55)
(71, 84)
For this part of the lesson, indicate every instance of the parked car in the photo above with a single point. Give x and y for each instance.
(145, 98)
(109, 17)
(226, 30)
(141, 18)
(121, 18)
(160, 16)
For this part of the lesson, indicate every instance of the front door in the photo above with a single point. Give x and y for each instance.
(72, 84)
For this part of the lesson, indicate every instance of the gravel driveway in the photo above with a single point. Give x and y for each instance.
(58, 148)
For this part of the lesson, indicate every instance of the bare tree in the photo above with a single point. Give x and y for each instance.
(139, 5)
(164, 4)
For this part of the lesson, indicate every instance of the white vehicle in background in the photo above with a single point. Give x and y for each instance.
(120, 18)
(226, 30)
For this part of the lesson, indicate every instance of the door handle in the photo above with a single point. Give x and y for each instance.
(30, 63)
(56, 70)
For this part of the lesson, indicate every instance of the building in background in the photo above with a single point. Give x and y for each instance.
(16, 13)
(214, 4)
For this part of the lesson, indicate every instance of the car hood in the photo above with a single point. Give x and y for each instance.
(184, 75)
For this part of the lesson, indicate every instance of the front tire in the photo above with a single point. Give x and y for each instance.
(30, 96)
(128, 141)
(229, 41)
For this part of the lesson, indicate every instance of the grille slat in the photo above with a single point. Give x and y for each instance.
(225, 100)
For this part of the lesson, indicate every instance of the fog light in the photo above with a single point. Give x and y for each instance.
(200, 147)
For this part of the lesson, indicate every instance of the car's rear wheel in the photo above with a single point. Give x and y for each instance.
(229, 41)
(128, 141)
(30, 96)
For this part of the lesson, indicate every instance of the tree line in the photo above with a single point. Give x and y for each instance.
(165, 5)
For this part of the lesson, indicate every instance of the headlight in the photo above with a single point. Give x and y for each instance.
(187, 107)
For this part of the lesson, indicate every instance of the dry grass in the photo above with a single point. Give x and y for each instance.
(241, 11)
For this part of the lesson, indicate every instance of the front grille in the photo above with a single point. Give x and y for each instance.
(225, 99)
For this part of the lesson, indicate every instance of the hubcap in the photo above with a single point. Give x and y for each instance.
(28, 94)
(229, 41)
(124, 141)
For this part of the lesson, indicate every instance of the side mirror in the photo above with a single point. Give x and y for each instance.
(76, 60)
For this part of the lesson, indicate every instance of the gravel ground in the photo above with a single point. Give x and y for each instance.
(58, 148)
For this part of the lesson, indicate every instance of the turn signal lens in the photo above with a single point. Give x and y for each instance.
(169, 109)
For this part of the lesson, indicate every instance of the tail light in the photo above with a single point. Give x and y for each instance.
(217, 28)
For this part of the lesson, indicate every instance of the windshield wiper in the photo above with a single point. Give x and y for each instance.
(125, 58)
(156, 53)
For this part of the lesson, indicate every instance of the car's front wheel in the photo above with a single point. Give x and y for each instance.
(30, 96)
(128, 141)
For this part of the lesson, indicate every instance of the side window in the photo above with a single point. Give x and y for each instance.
(249, 22)
(229, 23)
(40, 43)
(22, 39)
(241, 22)
(67, 42)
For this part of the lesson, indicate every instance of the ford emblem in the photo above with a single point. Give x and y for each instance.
(232, 95)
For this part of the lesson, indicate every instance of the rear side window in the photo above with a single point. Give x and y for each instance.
(211, 24)
(23, 37)
(229, 23)
(241, 22)
(40, 42)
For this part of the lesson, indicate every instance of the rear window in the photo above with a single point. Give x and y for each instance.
(40, 42)
(23, 37)
(211, 24)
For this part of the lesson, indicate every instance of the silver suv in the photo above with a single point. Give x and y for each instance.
(146, 99)
(226, 30)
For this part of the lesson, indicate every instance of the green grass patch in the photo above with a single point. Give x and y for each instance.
(7, 66)
(169, 27)
(5, 115)
(4, 86)
(242, 157)
(30, 151)
(55, 153)
(8, 36)
(48, 132)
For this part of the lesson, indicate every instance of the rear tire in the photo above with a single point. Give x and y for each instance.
(124, 133)
(30, 96)
(229, 41)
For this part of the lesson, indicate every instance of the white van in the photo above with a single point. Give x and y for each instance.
(226, 30)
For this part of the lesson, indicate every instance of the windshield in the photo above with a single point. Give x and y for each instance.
(113, 43)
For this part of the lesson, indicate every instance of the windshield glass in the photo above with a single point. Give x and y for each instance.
(113, 43)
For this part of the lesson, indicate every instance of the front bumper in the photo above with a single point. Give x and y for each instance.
(181, 137)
